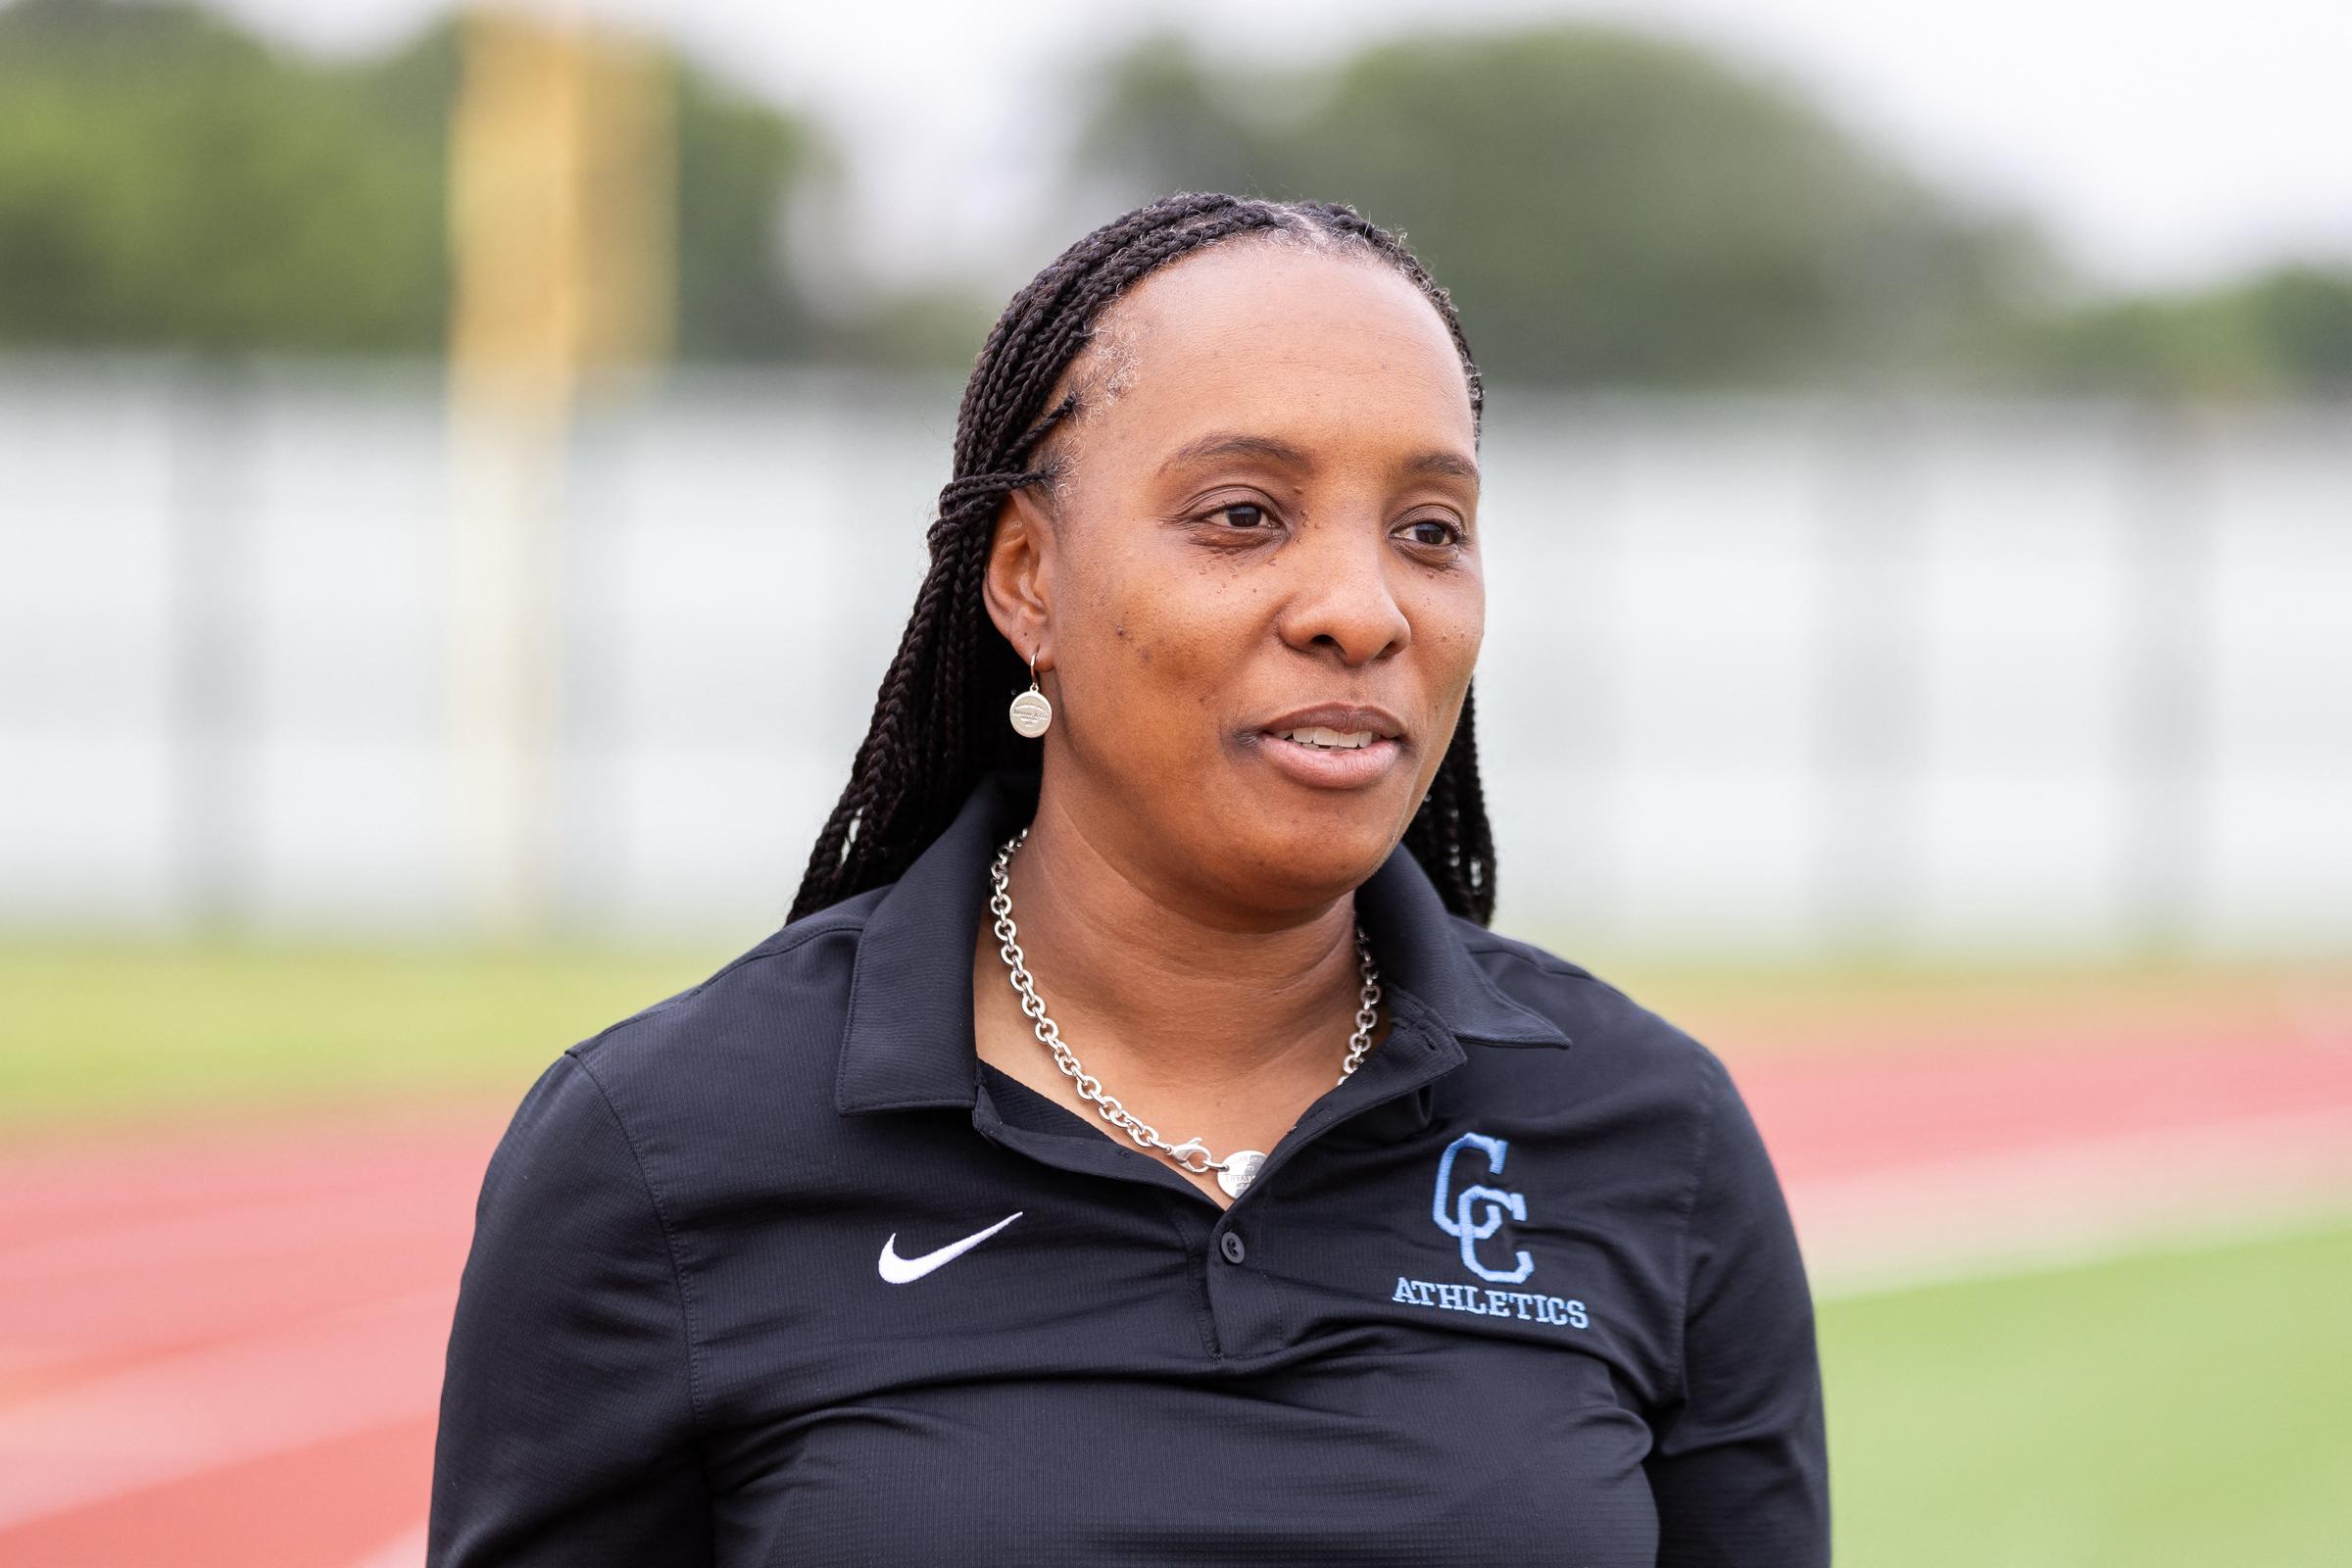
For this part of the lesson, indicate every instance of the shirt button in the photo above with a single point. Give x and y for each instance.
(1231, 1246)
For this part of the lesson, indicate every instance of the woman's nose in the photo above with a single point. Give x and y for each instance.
(1340, 595)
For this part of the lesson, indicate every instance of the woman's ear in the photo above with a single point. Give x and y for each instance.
(1018, 586)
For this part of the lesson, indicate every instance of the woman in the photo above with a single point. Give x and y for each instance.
(1136, 1149)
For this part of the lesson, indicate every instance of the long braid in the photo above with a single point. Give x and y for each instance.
(938, 723)
(1449, 835)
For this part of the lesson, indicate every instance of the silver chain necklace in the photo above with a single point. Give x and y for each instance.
(1235, 1170)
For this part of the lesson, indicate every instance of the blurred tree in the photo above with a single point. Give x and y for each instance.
(1605, 206)
(165, 179)
(740, 160)
(2286, 332)
(937, 326)
(168, 178)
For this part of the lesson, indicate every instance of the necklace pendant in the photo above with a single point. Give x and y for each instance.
(1240, 1167)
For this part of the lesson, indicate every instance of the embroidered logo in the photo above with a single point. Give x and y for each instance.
(905, 1270)
(1453, 1216)
(1471, 1214)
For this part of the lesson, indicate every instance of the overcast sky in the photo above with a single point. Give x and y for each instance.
(2159, 141)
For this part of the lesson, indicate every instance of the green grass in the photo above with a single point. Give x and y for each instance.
(2188, 1407)
(112, 1032)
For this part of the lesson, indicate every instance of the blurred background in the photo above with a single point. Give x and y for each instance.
(464, 473)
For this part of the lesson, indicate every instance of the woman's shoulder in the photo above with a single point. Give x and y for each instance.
(753, 1039)
(1630, 1067)
(1608, 1030)
(806, 959)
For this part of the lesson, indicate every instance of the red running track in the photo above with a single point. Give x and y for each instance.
(223, 1346)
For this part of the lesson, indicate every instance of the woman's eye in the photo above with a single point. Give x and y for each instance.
(1446, 533)
(1241, 513)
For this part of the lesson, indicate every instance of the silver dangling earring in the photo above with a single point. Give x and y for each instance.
(1032, 710)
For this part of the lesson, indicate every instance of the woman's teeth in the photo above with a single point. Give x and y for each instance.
(1343, 740)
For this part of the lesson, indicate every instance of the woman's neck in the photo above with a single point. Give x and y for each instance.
(1154, 982)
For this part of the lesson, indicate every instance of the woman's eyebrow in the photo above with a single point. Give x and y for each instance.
(1238, 445)
(1231, 445)
(1449, 463)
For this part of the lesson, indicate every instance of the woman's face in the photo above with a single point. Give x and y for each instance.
(1270, 507)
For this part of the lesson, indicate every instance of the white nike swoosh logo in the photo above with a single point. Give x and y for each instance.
(902, 1270)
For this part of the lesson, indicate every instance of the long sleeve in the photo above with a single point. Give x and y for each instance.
(1740, 1468)
(567, 1424)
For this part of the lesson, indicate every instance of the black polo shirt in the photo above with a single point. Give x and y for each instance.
(778, 1272)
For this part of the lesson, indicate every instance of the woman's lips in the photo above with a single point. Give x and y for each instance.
(1330, 767)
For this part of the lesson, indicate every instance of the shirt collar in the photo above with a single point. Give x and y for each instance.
(908, 1041)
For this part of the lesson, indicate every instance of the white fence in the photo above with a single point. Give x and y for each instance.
(1760, 676)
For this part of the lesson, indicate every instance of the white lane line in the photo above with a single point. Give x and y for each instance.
(404, 1551)
(2037, 1207)
(229, 1235)
(189, 1413)
(2057, 1253)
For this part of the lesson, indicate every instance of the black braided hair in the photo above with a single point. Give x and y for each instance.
(939, 721)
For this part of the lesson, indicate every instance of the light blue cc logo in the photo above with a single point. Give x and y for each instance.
(1453, 1213)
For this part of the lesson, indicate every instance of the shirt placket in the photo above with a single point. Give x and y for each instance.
(1237, 1274)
